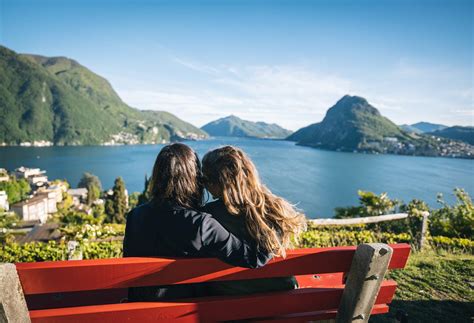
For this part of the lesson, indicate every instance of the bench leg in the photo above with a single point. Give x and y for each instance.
(365, 276)
(12, 301)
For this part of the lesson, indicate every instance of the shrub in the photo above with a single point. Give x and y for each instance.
(40, 251)
(454, 221)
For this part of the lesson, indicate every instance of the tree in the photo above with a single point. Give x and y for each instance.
(370, 204)
(145, 195)
(93, 185)
(133, 200)
(116, 206)
(17, 190)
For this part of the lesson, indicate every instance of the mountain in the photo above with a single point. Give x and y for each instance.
(465, 134)
(422, 127)
(410, 128)
(58, 101)
(352, 124)
(233, 126)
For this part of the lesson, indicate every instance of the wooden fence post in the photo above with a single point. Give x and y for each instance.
(424, 229)
(74, 251)
(363, 282)
(12, 301)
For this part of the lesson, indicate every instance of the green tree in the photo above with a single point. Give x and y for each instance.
(93, 185)
(454, 221)
(116, 205)
(17, 190)
(133, 199)
(371, 204)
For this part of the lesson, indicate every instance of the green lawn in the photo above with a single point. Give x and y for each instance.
(434, 288)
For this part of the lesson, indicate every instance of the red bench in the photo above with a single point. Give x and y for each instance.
(334, 282)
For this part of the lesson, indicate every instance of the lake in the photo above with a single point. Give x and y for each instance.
(316, 180)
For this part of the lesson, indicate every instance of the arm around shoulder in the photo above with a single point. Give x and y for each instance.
(220, 243)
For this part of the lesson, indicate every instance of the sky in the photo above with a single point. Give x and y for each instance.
(283, 62)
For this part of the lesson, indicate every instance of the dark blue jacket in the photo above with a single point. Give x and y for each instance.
(236, 224)
(169, 230)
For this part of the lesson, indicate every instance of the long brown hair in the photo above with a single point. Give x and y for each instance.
(177, 177)
(271, 220)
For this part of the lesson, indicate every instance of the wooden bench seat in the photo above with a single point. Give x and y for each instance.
(92, 290)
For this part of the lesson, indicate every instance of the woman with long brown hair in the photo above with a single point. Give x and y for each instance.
(248, 209)
(171, 225)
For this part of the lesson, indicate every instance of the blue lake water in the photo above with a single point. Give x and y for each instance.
(316, 180)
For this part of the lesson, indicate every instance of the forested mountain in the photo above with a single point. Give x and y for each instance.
(236, 127)
(422, 127)
(59, 101)
(352, 124)
(465, 134)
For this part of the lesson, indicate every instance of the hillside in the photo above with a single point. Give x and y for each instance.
(233, 126)
(349, 125)
(422, 127)
(58, 101)
(352, 124)
(465, 134)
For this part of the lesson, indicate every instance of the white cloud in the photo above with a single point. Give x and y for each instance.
(291, 96)
(198, 67)
(294, 96)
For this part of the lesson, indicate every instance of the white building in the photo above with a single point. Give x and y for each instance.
(79, 195)
(25, 172)
(35, 208)
(4, 201)
(35, 176)
(51, 199)
(4, 175)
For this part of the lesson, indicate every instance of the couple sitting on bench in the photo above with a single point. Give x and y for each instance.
(245, 226)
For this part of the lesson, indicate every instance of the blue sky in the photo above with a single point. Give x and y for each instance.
(276, 61)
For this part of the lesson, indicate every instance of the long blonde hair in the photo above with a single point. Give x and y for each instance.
(271, 220)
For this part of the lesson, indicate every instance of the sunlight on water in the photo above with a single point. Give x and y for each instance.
(316, 180)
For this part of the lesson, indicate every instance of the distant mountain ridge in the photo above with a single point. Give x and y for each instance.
(423, 127)
(353, 124)
(233, 126)
(465, 134)
(58, 101)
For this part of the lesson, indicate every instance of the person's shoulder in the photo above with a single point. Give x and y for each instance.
(192, 215)
(214, 206)
(139, 211)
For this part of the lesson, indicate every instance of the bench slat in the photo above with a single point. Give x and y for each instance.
(211, 309)
(317, 315)
(69, 276)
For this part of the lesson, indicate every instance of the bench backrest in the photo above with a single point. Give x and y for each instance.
(91, 290)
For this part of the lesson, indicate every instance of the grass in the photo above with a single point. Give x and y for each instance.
(434, 287)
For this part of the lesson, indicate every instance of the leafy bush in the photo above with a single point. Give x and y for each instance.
(348, 236)
(50, 251)
(93, 231)
(454, 221)
(371, 204)
(321, 236)
(17, 190)
(452, 244)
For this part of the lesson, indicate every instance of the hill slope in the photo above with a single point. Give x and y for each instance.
(465, 134)
(350, 124)
(57, 100)
(236, 127)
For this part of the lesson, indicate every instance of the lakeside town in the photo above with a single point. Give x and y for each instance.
(32, 200)
(442, 147)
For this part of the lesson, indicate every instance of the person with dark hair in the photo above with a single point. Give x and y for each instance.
(170, 225)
